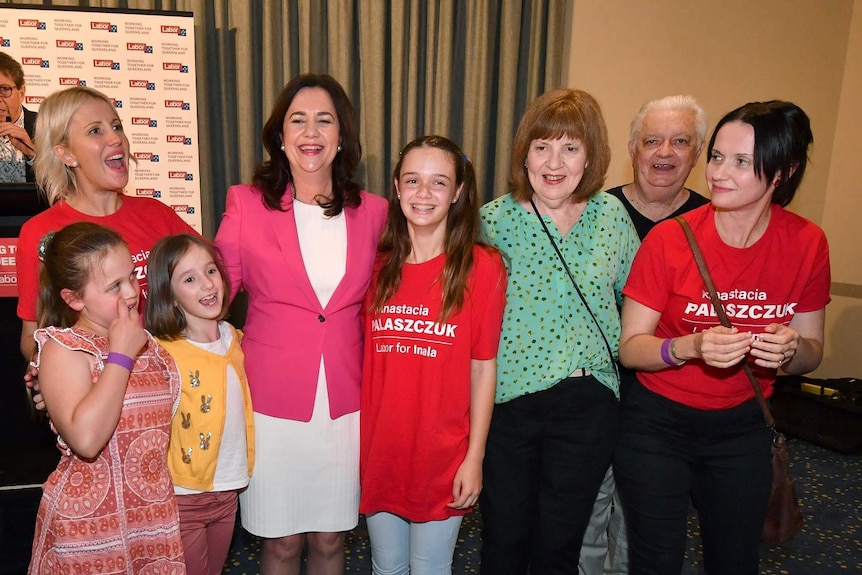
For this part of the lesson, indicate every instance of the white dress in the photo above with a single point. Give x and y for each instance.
(306, 474)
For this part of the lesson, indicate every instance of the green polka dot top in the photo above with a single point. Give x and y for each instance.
(547, 331)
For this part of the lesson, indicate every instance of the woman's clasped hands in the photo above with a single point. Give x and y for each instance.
(726, 346)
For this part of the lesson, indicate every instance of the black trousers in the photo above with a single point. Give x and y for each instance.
(546, 456)
(669, 453)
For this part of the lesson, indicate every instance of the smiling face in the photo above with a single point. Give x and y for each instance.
(11, 105)
(733, 185)
(198, 290)
(427, 188)
(665, 152)
(96, 142)
(555, 168)
(310, 132)
(112, 279)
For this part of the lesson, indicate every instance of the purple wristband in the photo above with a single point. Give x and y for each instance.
(127, 362)
(665, 352)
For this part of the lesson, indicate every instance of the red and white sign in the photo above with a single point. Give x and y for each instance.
(8, 273)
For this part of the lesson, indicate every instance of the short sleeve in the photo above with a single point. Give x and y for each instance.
(489, 302)
(27, 268)
(648, 281)
(815, 296)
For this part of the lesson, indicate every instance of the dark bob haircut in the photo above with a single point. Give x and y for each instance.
(273, 176)
(554, 114)
(782, 137)
(163, 318)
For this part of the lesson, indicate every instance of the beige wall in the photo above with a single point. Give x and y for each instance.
(841, 220)
(736, 51)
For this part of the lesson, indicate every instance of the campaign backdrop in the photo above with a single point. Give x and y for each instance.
(8, 279)
(143, 61)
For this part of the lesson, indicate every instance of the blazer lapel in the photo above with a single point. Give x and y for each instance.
(356, 221)
(284, 227)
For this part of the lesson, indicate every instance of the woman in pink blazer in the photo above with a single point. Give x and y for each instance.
(301, 240)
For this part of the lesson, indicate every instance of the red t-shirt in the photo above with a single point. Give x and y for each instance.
(141, 222)
(785, 272)
(415, 408)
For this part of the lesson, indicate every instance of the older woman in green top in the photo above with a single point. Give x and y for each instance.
(568, 249)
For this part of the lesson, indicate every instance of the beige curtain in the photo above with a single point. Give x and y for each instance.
(464, 69)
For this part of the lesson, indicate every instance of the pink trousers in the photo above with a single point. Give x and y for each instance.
(206, 526)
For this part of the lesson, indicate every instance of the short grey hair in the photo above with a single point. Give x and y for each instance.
(682, 102)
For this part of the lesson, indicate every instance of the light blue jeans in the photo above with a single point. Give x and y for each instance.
(399, 546)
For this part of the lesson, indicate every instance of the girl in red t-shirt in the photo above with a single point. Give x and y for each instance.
(432, 326)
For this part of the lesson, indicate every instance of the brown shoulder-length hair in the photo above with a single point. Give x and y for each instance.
(554, 114)
(272, 176)
(462, 232)
(163, 318)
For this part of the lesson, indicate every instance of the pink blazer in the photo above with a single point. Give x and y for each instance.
(286, 329)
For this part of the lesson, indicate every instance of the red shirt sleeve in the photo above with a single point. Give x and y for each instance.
(489, 300)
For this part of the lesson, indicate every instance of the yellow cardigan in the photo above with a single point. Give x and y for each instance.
(198, 424)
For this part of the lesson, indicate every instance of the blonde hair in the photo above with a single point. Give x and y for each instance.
(55, 178)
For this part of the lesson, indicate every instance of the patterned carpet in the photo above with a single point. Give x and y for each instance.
(829, 486)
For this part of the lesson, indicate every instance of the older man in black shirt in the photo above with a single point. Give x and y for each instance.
(667, 137)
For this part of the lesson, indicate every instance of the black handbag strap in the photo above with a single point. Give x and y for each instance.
(574, 283)
(722, 317)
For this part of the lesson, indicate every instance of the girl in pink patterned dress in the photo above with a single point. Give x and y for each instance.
(110, 390)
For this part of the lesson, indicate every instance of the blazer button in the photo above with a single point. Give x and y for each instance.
(321, 319)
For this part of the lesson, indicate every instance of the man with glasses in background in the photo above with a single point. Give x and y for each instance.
(17, 125)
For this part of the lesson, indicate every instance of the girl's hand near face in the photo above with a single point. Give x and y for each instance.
(125, 333)
(84, 405)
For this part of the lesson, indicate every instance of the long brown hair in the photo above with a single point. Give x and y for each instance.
(462, 231)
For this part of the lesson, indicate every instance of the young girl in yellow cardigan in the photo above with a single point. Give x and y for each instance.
(211, 452)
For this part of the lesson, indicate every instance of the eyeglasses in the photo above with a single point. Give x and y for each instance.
(6, 91)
